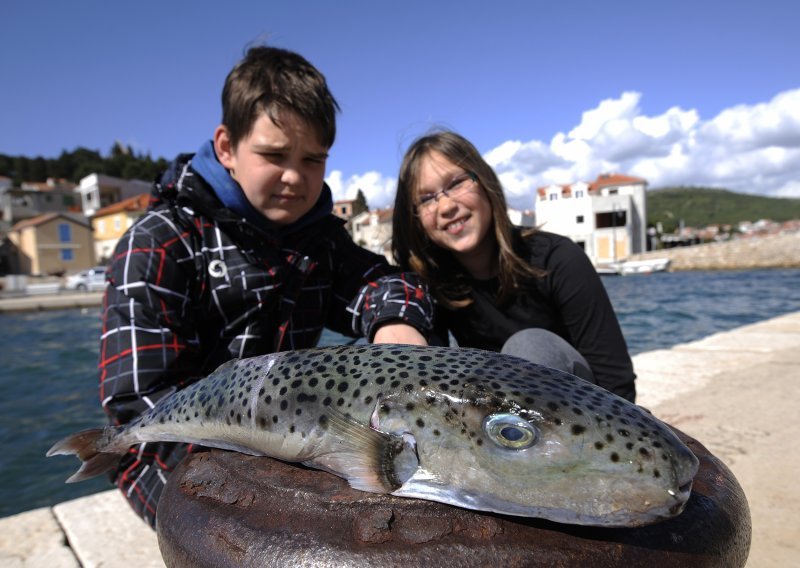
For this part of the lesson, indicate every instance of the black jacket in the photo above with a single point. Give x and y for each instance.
(192, 285)
(569, 301)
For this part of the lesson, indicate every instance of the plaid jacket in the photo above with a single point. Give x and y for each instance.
(191, 285)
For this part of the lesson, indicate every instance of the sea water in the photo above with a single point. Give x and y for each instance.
(49, 380)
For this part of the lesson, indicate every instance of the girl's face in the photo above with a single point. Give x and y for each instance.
(458, 219)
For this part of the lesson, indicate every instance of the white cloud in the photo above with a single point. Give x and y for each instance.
(378, 189)
(747, 148)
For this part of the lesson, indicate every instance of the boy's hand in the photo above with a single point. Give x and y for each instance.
(399, 333)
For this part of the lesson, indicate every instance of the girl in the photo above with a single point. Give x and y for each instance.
(529, 293)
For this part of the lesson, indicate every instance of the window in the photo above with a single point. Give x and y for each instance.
(579, 219)
(553, 196)
(578, 194)
(611, 219)
(67, 255)
(64, 233)
(117, 223)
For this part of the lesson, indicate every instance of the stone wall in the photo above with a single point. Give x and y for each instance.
(772, 251)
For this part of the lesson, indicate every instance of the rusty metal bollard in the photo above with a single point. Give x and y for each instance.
(224, 509)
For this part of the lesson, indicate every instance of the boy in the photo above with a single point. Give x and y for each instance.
(240, 255)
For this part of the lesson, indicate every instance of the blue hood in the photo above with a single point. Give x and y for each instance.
(206, 164)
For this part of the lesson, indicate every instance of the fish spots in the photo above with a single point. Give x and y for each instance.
(577, 429)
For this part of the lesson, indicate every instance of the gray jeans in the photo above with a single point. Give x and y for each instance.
(546, 348)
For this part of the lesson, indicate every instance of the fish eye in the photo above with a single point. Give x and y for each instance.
(510, 431)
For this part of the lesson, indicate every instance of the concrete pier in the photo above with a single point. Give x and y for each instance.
(735, 391)
(60, 301)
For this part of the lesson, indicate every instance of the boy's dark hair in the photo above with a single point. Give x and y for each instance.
(274, 80)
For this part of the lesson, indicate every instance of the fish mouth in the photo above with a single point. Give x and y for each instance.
(684, 492)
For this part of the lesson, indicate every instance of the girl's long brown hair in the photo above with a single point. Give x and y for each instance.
(413, 250)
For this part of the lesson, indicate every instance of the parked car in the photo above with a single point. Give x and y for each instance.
(86, 280)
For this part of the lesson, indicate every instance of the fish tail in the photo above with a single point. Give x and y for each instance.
(91, 447)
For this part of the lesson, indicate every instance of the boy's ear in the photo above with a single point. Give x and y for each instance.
(223, 147)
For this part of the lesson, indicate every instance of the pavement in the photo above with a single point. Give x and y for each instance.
(59, 301)
(736, 392)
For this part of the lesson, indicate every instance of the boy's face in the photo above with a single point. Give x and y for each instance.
(280, 170)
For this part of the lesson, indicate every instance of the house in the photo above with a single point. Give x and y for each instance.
(373, 230)
(606, 217)
(32, 199)
(99, 190)
(111, 222)
(53, 243)
(344, 208)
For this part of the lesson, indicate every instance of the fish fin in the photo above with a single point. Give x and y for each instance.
(369, 459)
(87, 446)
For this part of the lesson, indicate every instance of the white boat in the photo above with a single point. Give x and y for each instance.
(628, 267)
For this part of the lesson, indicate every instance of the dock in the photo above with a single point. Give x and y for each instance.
(57, 301)
(735, 391)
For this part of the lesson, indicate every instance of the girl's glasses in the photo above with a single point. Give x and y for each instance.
(458, 186)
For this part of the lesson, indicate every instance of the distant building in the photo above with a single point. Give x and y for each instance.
(52, 243)
(32, 199)
(526, 218)
(110, 223)
(373, 230)
(99, 190)
(344, 208)
(606, 217)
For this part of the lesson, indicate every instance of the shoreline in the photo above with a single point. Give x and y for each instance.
(732, 391)
(58, 301)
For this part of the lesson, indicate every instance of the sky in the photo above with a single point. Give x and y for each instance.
(686, 92)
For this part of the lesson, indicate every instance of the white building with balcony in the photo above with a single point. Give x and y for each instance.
(99, 190)
(606, 217)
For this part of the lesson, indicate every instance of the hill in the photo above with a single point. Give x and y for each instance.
(122, 162)
(701, 206)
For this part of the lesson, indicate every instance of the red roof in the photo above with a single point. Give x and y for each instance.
(604, 180)
(135, 203)
(46, 218)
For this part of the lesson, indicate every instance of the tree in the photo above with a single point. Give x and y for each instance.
(360, 203)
